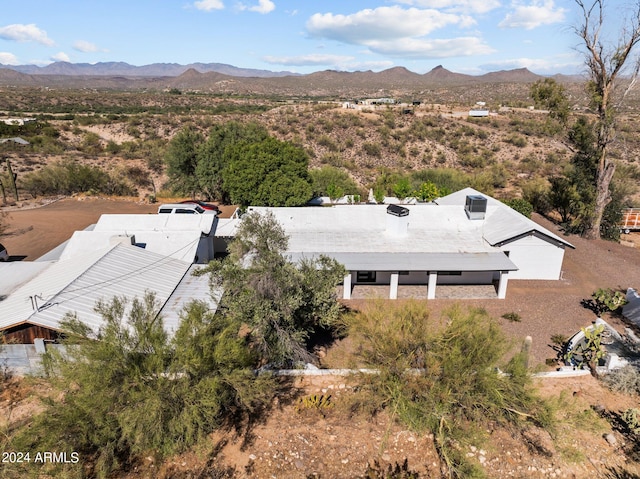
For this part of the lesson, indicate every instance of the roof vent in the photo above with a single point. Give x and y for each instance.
(397, 220)
(475, 207)
(398, 211)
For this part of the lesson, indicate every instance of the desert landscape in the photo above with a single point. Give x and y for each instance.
(123, 127)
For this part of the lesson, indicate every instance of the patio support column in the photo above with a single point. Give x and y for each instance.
(431, 287)
(502, 284)
(393, 286)
(346, 289)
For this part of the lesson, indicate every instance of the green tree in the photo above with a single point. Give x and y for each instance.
(267, 173)
(402, 189)
(213, 154)
(130, 389)
(182, 160)
(551, 95)
(564, 198)
(428, 191)
(282, 303)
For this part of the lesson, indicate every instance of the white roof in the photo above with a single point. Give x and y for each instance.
(176, 236)
(363, 228)
(15, 273)
(121, 270)
(180, 245)
(130, 224)
(502, 223)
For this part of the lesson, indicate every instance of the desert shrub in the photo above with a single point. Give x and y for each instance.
(626, 379)
(444, 381)
(372, 149)
(328, 177)
(130, 389)
(516, 140)
(69, 177)
(522, 206)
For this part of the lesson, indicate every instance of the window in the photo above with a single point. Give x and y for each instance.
(449, 273)
(366, 277)
(403, 273)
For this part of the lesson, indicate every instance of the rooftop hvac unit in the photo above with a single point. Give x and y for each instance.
(396, 210)
(475, 207)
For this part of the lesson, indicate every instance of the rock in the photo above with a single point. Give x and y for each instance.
(298, 464)
(252, 457)
(611, 439)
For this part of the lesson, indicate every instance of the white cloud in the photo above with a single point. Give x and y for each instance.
(432, 48)
(474, 6)
(337, 62)
(8, 58)
(208, 5)
(61, 57)
(538, 65)
(264, 6)
(25, 33)
(86, 47)
(533, 15)
(382, 24)
(308, 60)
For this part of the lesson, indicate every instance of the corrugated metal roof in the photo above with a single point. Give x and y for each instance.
(191, 288)
(486, 261)
(18, 306)
(126, 271)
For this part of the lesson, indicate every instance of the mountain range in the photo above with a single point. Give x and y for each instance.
(228, 79)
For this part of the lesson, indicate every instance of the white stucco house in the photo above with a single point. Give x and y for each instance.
(462, 238)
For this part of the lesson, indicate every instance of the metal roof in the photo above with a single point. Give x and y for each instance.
(17, 308)
(190, 288)
(125, 271)
(486, 261)
(16, 273)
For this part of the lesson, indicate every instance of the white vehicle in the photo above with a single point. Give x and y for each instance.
(4, 256)
(184, 209)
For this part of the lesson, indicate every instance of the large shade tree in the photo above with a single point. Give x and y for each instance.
(606, 61)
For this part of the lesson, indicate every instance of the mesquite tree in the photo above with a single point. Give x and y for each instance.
(606, 61)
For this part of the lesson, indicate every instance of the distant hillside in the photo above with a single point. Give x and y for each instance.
(218, 78)
(152, 70)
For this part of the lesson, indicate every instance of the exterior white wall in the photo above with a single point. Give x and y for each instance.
(535, 258)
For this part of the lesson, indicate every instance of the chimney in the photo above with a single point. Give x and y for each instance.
(475, 207)
(397, 220)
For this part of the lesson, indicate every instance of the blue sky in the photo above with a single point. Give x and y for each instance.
(466, 36)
